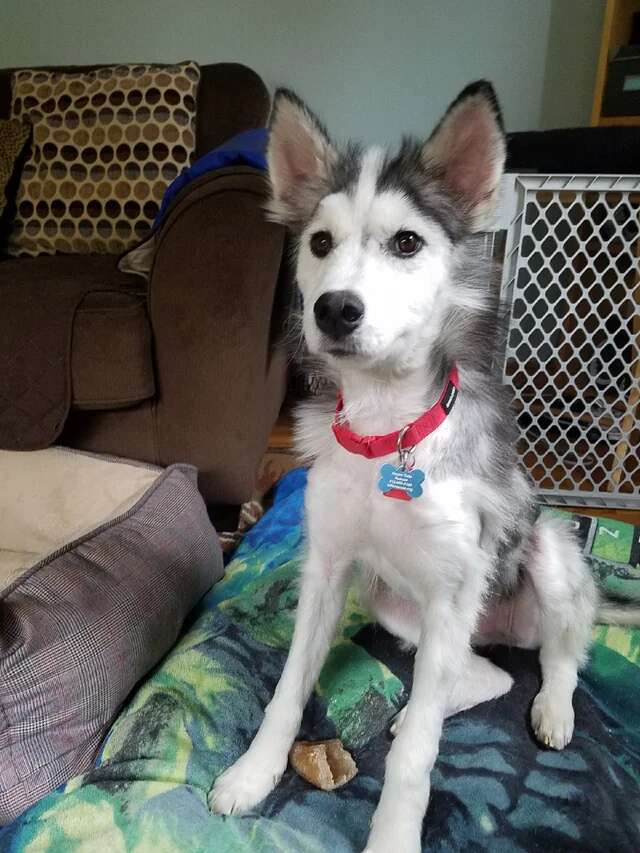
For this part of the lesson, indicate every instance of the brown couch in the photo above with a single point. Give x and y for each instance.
(183, 369)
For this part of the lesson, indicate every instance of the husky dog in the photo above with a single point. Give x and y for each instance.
(398, 307)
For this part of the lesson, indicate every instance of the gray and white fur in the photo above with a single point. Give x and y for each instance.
(394, 296)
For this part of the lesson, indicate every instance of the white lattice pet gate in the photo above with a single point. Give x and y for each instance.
(571, 282)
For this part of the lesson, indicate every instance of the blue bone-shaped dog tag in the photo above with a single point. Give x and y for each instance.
(399, 483)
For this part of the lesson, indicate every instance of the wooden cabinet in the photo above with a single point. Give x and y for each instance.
(616, 30)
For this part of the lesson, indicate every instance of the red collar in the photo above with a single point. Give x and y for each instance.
(373, 446)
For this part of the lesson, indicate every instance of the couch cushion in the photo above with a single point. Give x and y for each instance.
(100, 562)
(98, 272)
(106, 144)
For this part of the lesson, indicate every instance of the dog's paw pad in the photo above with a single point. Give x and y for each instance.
(552, 720)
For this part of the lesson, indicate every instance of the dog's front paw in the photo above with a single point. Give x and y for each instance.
(552, 719)
(245, 784)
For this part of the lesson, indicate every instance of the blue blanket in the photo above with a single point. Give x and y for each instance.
(245, 149)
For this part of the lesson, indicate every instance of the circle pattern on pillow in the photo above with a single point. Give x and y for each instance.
(106, 144)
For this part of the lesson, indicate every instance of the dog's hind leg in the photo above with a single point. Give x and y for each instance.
(480, 680)
(567, 599)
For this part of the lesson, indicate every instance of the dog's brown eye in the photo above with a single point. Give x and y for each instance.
(407, 243)
(321, 244)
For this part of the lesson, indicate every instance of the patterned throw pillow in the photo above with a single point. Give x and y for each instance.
(13, 135)
(106, 144)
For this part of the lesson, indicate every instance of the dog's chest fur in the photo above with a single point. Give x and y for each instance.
(466, 496)
(400, 541)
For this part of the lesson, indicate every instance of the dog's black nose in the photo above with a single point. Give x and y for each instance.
(338, 313)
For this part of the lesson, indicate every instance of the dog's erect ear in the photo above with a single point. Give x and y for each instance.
(299, 155)
(468, 149)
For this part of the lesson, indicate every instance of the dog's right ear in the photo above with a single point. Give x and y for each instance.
(299, 156)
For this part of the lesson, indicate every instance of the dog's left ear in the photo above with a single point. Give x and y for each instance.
(467, 150)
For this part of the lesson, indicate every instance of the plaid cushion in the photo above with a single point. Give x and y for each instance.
(85, 624)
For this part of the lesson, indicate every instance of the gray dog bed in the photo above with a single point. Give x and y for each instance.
(100, 562)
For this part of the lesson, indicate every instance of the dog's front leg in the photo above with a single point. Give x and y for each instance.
(258, 771)
(444, 644)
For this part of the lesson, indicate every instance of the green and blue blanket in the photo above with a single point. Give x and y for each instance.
(494, 788)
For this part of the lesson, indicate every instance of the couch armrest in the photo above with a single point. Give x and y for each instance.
(212, 293)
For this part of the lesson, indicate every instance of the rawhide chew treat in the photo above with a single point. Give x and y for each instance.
(324, 763)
